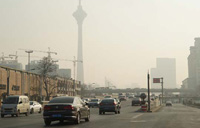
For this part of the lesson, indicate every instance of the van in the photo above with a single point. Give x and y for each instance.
(15, 105)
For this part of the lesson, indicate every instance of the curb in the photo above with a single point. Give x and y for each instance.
(157, 108)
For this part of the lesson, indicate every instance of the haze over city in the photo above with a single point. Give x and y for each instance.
(121, 40)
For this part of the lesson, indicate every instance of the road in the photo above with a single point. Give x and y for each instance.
(177, 116)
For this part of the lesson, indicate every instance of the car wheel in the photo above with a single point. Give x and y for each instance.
(47, 122)
(40, 110)
(104, 113)
(2, 115)
(119, 112)
(12, 115)
(32, 111)
(115, 112)
(100, 112)
(88, 117)
(78, 118)
(18, 112)
(61, 121)
(27, 112)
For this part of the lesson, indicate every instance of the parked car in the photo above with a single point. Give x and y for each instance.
(122, 98)
(109, 105)
(168, 103)
(15, 105)
(136, 101)
(65, 108)
(35, 107)
(94, 103)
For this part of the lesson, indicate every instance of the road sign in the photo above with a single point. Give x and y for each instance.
(156, 80)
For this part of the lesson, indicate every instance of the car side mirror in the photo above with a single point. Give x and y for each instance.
(86, 103)
(20, 102)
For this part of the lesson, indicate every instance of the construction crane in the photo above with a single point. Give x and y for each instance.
(2, 58)
(74, 64)
(49, 52)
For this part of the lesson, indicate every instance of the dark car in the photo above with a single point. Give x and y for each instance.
(109, 105)
(136, 101)
(94, 103)
(66, 108)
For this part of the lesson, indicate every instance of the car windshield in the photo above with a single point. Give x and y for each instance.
(11, 100)
(62, 100)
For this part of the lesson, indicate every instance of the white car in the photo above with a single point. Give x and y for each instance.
(35, 107)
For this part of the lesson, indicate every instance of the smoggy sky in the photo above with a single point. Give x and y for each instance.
(121, 38)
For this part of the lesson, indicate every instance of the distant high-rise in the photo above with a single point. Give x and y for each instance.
(80, 15)
(166, 68)
(194, 65)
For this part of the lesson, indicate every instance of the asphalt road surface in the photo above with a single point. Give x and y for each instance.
(177, 116)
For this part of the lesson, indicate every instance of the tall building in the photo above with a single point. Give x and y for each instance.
(80, 15)
(194, 65)
(166, 68)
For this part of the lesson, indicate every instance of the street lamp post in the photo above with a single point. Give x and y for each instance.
(29, 52)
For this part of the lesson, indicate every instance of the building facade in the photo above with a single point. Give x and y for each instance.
(194, 66)
(19, 82)
(166, 68)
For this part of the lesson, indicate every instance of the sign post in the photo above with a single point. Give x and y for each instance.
(159, 80)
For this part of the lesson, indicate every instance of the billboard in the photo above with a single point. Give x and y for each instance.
(156, 80)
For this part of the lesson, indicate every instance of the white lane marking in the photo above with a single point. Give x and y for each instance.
(134, 117)
(139, 121)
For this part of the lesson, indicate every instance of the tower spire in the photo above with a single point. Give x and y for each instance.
(80, 15)
(79, 2)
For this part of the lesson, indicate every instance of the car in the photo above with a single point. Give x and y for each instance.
(122, 98)
(35, 107)
(109, 105)
(108, 96)
(118, 101)
(15, 105)
(94, 103)
(168, 103)
(70, 108)
(136, 101)
(131, 96)
(86, 100)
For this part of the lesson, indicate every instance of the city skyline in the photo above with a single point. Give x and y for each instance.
(118, 36)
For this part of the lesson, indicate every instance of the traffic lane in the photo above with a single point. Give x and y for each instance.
(177, 116)
(107, 120)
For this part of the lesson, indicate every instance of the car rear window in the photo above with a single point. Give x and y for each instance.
(108, 101)
(11, 100)
(62, 100)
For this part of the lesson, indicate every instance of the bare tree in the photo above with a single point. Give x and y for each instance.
(47, 70)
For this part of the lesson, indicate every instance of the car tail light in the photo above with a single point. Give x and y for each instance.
(70, 107)
(46, 108)
(114, 103)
